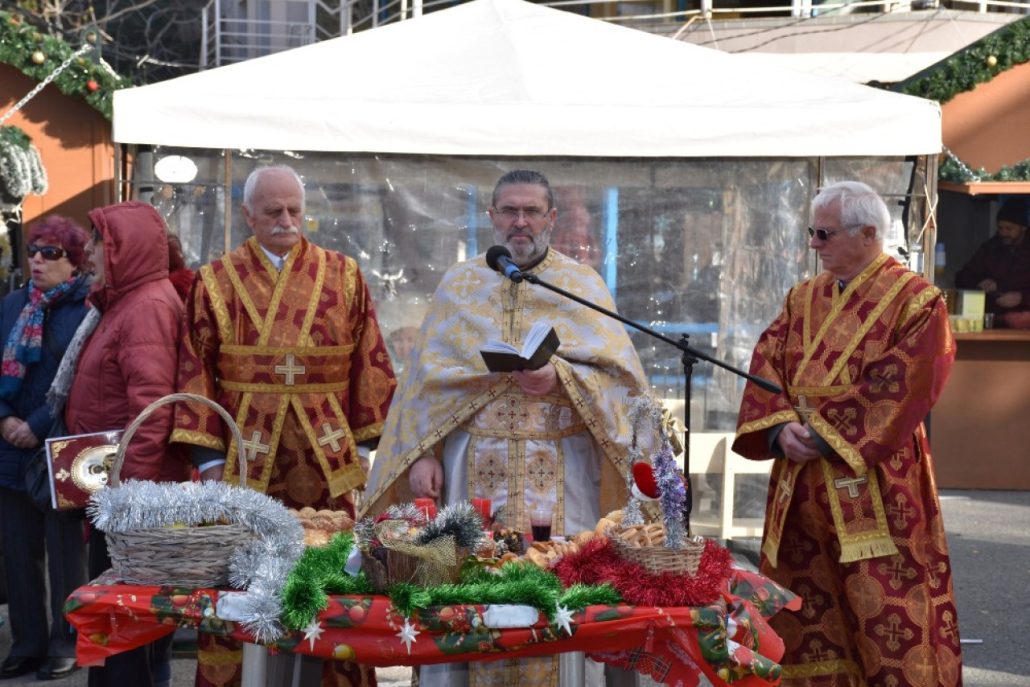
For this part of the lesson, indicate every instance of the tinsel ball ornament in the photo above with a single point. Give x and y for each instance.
(992, 61)
(39, 57)
(92, 86)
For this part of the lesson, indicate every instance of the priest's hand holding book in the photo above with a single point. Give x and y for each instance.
(531, 367)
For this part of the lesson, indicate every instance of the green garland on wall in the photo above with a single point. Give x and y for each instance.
(952, 170)
(978, 63)
(37, 55)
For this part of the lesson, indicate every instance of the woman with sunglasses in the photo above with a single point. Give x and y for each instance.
(36, 324)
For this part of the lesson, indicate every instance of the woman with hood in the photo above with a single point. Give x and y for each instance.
(36, 324)
(123, 358)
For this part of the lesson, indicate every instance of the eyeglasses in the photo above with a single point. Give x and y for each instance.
(822, 234)
(48, 252)
(513, 214)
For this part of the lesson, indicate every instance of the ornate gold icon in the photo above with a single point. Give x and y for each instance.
(89, 469)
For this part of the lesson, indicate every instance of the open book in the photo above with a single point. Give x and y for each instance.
(79, 465)
(540, 344)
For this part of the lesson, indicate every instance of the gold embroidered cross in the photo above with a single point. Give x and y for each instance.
(253, 446)
(290, 369)
(331, 438)
(803, 409)
(851, 484)
(785, 491)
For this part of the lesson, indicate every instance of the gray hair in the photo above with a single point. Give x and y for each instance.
(524, 176)
(252, 182)
(860, 206)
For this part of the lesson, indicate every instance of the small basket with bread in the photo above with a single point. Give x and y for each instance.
(645, 545)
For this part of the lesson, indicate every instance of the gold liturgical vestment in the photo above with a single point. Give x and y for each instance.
(447, 387)
(567, 450)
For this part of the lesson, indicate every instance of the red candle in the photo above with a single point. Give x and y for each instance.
(427, 506)
(482, 506)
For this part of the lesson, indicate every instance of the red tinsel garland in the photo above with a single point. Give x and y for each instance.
(597, 563)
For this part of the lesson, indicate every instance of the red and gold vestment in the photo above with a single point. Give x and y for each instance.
(296, 356)
(858, 534)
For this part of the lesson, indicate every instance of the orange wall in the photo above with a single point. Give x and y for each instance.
(989, 126)
(74, 141)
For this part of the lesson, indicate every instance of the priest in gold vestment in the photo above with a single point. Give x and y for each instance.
(283, 335)
(853, 523)
(555, 438)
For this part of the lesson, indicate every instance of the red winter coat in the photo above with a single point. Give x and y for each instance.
(131, 360)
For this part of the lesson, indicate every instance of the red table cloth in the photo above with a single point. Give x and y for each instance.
(729, 640)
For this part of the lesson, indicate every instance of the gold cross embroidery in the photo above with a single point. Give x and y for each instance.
(330, 437)
(851, 484)
(803, 409)
(253, 446)
(290, 369)
(785, 491)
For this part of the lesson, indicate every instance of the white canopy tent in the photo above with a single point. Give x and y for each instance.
(506, 77)
(682, 174)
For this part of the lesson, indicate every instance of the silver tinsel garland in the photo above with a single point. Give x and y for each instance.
(260, 567)
(647, 411)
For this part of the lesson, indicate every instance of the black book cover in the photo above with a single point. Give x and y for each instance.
(538, 349)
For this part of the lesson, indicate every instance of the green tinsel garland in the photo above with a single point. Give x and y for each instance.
(951, 170)
(1008, 46)
(319, 573)
(19, 40)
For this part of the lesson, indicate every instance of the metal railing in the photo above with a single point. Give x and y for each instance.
(231, 39)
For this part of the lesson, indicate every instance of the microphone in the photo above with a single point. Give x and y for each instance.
(498, 258)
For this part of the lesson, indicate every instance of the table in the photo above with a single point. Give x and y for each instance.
(727, 641)
(978, 428)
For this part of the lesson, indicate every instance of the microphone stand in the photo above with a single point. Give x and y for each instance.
(690, 357)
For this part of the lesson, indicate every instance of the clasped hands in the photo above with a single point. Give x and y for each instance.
(798, 443)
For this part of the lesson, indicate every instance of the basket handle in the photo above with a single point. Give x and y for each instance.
(116, 469)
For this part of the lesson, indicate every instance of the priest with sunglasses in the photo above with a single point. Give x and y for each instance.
(853, 522)
(36, 324)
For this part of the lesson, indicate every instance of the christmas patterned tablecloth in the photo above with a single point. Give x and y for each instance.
(729, 640)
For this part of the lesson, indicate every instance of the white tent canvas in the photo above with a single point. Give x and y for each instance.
(509, 78)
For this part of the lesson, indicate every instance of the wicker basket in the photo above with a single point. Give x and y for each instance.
(179, 556)
(406, 562)
(659, 559)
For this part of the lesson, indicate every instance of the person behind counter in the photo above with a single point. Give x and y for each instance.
(1001, 267)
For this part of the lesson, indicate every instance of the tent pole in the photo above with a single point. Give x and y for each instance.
(227, 185)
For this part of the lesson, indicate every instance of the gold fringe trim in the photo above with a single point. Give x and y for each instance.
(821, 668)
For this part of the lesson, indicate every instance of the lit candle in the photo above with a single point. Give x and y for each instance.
(427, 506)
(482, 507)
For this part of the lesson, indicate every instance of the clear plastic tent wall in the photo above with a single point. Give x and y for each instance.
(702, 247)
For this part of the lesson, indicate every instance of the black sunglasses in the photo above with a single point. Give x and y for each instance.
(822, 234)
(48, 252)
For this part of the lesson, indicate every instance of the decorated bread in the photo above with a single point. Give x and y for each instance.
(320, 525)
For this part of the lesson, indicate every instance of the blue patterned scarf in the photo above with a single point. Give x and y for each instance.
(25, 343)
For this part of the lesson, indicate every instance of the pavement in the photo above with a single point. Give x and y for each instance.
(989, 536)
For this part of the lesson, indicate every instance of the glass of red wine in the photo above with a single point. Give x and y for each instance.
(540, 524)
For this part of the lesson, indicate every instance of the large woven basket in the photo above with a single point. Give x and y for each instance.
(659, 559)
(192, 556)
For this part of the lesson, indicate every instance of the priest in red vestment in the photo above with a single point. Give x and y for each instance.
(283, 335)
(853, 522)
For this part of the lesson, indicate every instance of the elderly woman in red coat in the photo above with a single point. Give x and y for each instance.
(128, 359)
